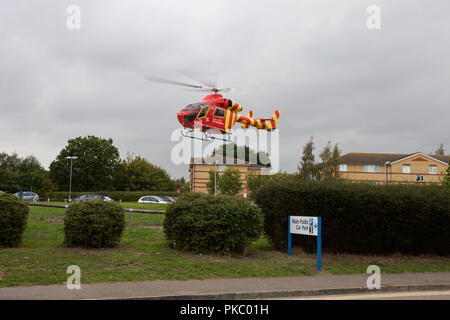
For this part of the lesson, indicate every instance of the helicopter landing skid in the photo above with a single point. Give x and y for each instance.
(204, 136)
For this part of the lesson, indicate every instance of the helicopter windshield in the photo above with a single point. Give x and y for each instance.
(196, 106)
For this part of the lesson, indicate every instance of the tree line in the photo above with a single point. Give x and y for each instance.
(97, 166)
(228, 182)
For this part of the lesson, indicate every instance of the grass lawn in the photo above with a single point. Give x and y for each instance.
(144, 255)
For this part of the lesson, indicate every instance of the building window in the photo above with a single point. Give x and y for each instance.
(343, 167)
(371, 168)
(419, 178)
(222, 168)
(432, 170)
(406, 168)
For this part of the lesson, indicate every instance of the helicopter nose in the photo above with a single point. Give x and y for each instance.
(186, 118)
(181, 118)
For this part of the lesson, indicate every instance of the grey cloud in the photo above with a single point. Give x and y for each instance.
(330, 77)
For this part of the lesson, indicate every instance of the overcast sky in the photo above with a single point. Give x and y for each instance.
(331, 77)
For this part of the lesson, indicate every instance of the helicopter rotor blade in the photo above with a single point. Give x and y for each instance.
(177, 83)
(195, 87)
(199, 90)
(206, 78)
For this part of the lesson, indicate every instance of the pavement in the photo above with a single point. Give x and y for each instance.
(229, 289)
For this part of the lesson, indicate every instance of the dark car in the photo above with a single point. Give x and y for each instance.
(88, 197)
(27, 196)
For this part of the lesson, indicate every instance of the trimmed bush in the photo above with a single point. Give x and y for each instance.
(94, 224)
(13, 220)
(206, 223)
(360, 218)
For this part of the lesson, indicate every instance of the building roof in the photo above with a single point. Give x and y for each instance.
(220, 160)
(382, 158)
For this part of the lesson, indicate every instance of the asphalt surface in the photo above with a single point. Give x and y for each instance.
(241, 288)
(420, 295)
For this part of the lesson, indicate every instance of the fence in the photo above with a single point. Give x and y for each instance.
(129, 210)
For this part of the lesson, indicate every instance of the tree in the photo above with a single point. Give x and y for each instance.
(181, 185)
(335, 161)
(446, 181)
(243, 153)
(254, 182)
(307, 168)
(140, 174)
(229, 182)
(97, 163)
(440, 150)
(185, 188)
(329, 168)
(26, 173)
(211, 186)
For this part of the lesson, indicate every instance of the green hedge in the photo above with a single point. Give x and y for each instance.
(360, 218)
(94, 224)
(125, 196)
(13, 220)
(206, 223)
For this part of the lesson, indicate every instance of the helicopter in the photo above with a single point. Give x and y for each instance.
(216, 114)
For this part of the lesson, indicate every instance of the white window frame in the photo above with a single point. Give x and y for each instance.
(371, 168)
(406, 166)
(420, 178)
(343, 167)
(434, 171)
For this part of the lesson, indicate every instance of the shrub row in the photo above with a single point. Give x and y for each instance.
(206, 223)
(13, 220)
(360, 218)
(125, 196)
(92, 224)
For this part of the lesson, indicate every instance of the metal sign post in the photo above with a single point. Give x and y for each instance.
(311, 226)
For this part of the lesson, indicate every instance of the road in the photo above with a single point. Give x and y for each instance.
(423, 295)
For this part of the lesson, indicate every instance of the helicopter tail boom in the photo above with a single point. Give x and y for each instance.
(244, 123)
(265, 124)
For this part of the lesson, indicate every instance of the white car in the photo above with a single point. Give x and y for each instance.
(151, 199)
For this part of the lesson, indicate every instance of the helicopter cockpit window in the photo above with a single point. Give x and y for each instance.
(203, 113)
(219, 112)
(196, 106)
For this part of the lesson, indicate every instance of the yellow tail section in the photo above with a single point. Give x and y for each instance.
(250, 116)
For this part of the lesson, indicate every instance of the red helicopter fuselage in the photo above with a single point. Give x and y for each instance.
(209, 113)
(216, 112)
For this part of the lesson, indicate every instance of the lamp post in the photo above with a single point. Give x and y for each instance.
(215, 177)
(70, 181)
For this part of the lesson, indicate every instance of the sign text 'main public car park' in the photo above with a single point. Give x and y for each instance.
(311, 226)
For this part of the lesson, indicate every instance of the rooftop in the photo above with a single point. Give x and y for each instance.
(382, 158)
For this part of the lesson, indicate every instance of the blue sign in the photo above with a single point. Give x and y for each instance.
(307, 226)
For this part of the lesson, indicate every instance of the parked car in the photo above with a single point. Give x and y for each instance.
(27, 196)
(167, 199)
(151, 199)
(88, 197)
